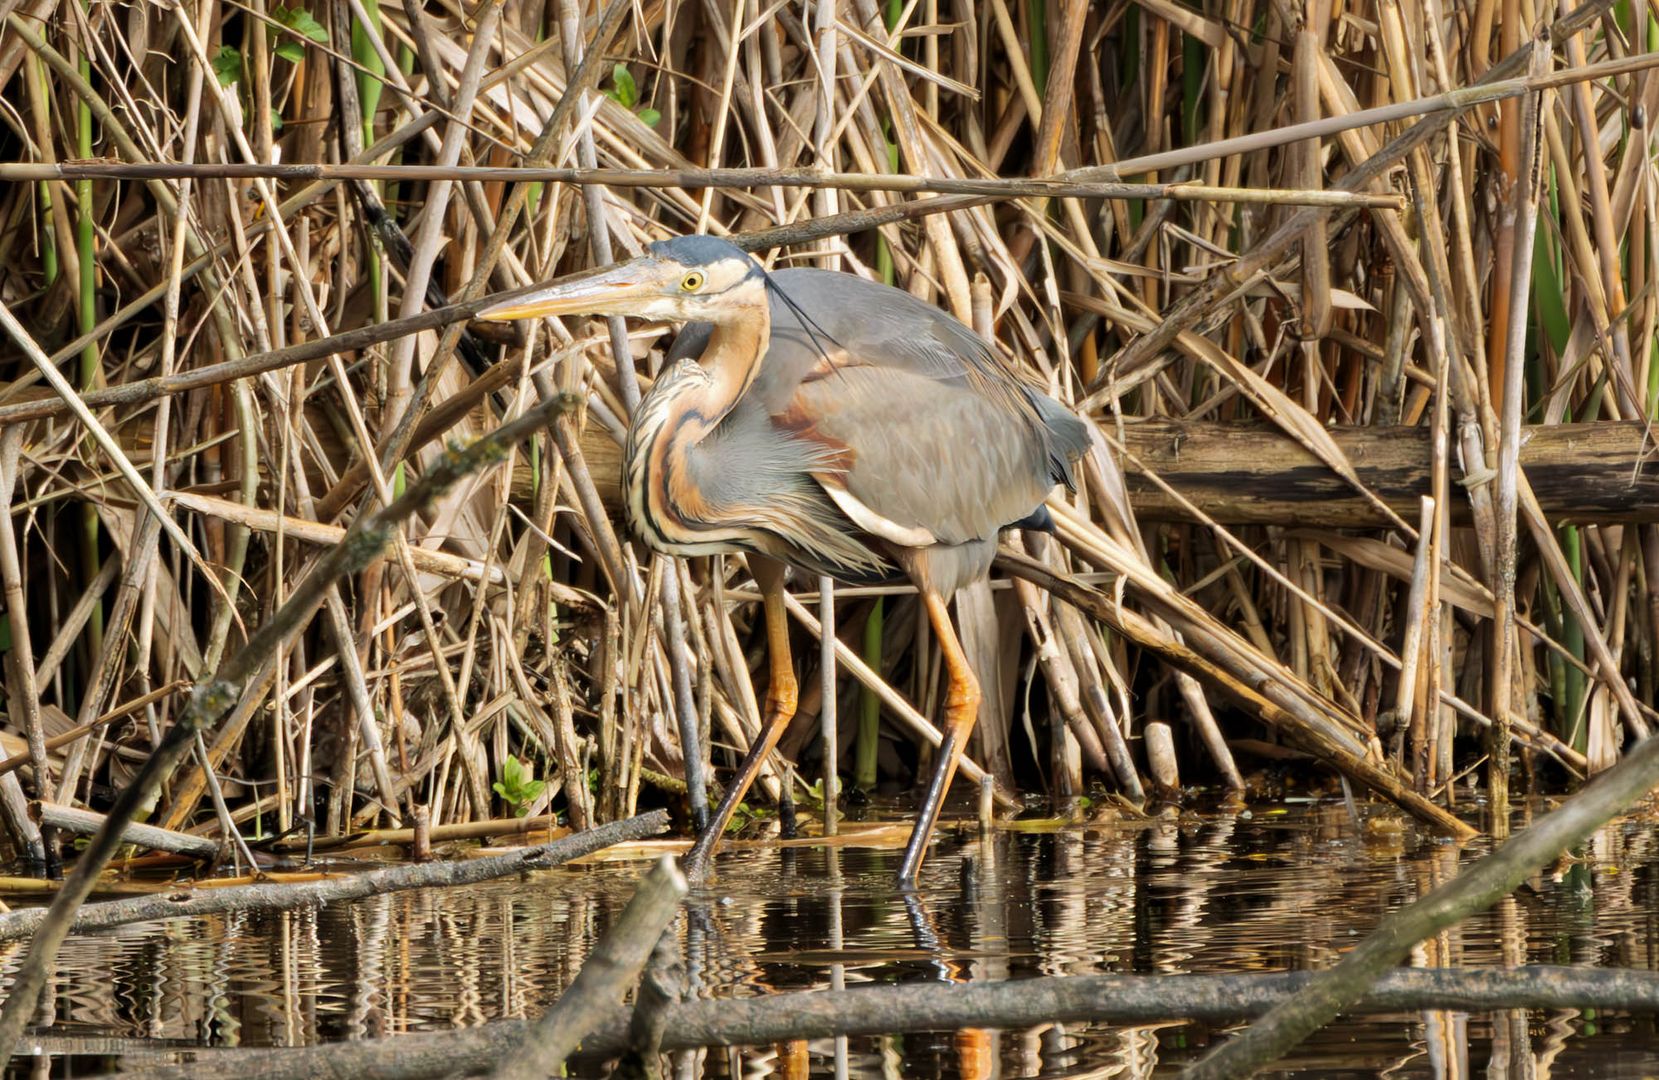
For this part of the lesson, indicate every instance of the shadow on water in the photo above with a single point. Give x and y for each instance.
(1202, 893)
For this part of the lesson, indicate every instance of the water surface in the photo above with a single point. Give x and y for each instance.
(1271, 890)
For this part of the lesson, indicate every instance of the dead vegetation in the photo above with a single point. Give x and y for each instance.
(1260, 212)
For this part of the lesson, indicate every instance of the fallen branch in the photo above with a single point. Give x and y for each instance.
(182, 903)
(1102, 181)
(1013, 1004)
(697, 179)
(88, 822)
(660, 989)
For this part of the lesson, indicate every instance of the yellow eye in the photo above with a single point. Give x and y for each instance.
(692, 281)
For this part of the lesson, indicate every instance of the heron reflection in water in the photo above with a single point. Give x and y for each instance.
(831, 424)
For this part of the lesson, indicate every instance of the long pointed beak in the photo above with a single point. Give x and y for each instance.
(612, 290)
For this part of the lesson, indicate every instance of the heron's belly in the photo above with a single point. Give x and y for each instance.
(658, 543)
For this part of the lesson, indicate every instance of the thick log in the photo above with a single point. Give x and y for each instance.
(1254, 474)
(609, 972)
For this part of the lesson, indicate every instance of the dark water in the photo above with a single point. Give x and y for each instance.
(1274, 890)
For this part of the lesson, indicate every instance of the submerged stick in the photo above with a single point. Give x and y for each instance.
(610, 970)
(1011, 1004)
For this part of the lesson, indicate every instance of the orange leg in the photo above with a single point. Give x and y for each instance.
(961, 710)
(781, 697)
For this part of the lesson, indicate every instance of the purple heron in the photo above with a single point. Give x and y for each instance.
(832, 424)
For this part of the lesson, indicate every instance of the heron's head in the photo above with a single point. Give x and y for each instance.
(686, 279)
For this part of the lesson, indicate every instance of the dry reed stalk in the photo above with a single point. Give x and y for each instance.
(262, 334)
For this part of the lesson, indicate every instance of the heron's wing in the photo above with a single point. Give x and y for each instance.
(929, 439)
(758, 482)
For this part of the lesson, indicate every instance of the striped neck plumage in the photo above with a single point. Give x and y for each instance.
(730, 362)
(684, 407)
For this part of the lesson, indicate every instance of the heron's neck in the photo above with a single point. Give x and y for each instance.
(683, 408)
(731, 360)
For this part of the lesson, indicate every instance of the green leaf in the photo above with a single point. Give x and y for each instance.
(227, 65)
(627, 91)
(518, 786)
(300, 22)
(740, 818)
(650, 117)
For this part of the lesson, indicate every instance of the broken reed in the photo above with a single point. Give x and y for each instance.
(1242, 210)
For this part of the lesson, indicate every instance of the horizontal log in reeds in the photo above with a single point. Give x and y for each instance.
(1248, 474)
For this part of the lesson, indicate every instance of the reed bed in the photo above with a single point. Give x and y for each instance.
(1291, 226)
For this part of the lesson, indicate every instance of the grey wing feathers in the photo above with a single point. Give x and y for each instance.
(941, 435)
(1065, 436)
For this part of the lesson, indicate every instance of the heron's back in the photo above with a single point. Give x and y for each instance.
(913, 387)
